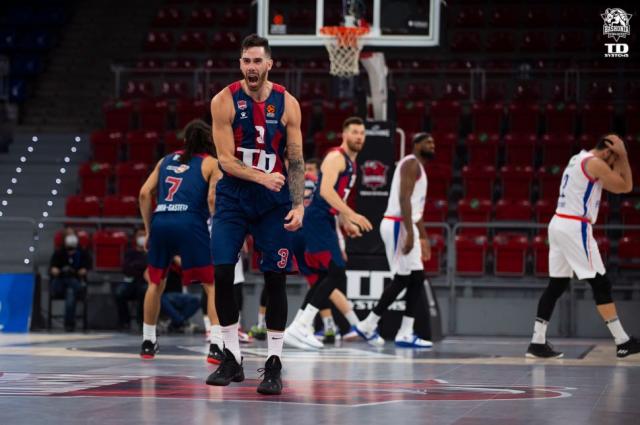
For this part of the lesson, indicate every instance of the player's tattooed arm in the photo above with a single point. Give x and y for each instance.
(295, 158)
(296, 180)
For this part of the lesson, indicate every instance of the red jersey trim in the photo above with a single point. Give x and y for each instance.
(584, 170)
(574, 217)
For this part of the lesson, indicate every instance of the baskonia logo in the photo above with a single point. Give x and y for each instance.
(374, 174)
(616, 26)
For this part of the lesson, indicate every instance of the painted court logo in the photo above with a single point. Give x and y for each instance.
(616, 26)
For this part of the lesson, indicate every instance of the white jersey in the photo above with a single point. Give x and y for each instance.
(418, 196)
(579, 193)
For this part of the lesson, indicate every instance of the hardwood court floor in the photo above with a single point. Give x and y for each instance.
(99, 379)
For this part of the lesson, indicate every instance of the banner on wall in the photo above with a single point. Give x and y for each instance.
(16, 296)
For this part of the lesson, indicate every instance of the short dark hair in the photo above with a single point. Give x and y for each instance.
(313, 161)
(352, 120)
(254, 40)
(419, 137)
(197, 139)
(605, 142)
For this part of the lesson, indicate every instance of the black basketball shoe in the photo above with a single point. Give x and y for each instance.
(630, 347)
(215, 355)
(228, 371)
(271, 383)
(149, 349)
(543, 351)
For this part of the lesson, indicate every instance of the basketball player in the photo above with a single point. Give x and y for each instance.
(183, 183)
(405, 240)
(254, 122)
(571, 245)
(323, 254)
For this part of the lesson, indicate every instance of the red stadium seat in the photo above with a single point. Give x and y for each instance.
(445, 116)
(237, 17)
(549, 181)
(527, 94)
(520, 149)
(139, 90)
(324, 141)
(536, 17)
(512, 210)
(604, 246)
(445, 148)
(175, 90)
(561, 118)
(226, 40)
(597, 118)
(153, 115)
(628, 252)
(544, 211)
(467, 41)
(541, 256)
(82, 206)
(439, 181)
(534, 41)
(517, 181)
(192, 41)
(106, 145)
(470, 255)
(632, 118)
(410, 116)
(168, 17)
(435, 211)
(120, 206)
(505, 16)
(172, 143)
(474, 211)
(117, 115)
(487, 117)
(108, 249)
(142, 146)
(569, 42)
(510, 253)
(433, 266)
(188, 110)
(335, 112)
(556, 148)
(202, 17)
(478, 181)
(95, 178)
(482, 149)
(130, 176)
(84, 239)
(500, 41)
(630, 216)
(523, 118)
(158, 41)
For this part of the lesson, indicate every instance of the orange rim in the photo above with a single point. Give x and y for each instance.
(345, 35)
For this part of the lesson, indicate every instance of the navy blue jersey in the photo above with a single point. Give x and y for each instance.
(260, 140)
(343, 186)
(181, 187)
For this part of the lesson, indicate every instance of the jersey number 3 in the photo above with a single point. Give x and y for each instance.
(174, 183)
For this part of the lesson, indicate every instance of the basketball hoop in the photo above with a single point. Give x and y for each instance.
(344, 46)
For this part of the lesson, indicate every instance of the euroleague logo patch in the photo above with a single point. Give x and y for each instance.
(374, 174)
(271, 111)
(327, 392)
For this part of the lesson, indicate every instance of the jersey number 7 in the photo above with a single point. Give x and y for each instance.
(175, 183)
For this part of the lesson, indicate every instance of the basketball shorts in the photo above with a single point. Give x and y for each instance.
(394, 235)
(181, 234)
(572, 249)
(321, 242)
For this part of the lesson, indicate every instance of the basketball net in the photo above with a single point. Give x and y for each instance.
(344, 48)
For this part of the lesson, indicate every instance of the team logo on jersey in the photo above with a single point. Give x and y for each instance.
(271, 111)
(242, 104)
(374, 174)
(179, 169)
(243, 115)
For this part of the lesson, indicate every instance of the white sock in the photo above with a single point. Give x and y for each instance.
(149, 333)
(274, 343)
(539, 331)
(262, 322)
(406, 328)
(328, 323)
(307, 316)
(370, 323)
(207, 327)
(215, 336)
(615, 327)
(352, 318)
(231, 341)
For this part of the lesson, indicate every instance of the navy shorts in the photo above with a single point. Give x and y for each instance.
(238, 213)
(181, 234)
(321, 242)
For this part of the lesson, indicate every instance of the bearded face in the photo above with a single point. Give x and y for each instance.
(255, 66)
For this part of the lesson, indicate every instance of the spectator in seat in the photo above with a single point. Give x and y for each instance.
(178, 305)
(134, 285)
(68, 275)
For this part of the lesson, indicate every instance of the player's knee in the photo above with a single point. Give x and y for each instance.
(224, 275)
(601, 289)
(275, 286)
(337, 274)
(557, 286)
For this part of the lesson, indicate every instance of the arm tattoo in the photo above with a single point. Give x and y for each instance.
(296, 180)
(240, 163)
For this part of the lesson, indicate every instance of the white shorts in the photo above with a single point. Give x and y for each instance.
(572, 249)
(393, 235)
(238, 275)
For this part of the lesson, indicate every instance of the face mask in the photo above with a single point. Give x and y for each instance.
(71, 241)
(140, 241)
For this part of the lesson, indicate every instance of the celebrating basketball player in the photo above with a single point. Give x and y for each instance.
(183, 182)
(571, 245)
(254, 122)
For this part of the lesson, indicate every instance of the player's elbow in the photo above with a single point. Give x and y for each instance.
(144, 195)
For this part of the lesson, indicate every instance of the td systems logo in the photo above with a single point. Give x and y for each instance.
(364, 288)
(330, 392)
(616, 26)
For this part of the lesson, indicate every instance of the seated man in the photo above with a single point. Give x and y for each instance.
(178, 305)
(134, 285)
(68, 273)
